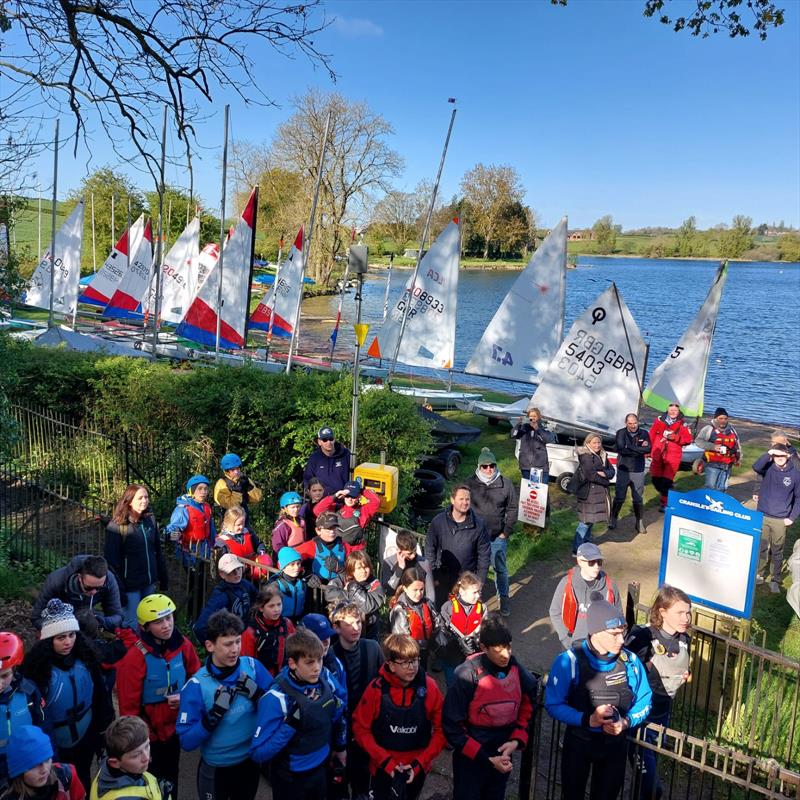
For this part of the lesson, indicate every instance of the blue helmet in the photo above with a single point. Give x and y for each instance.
(230, 461)
(196, 480)
(289, 498)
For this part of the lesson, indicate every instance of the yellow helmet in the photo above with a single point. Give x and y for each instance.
(153, 607)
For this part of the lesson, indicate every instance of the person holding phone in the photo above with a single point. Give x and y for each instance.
(599, 690)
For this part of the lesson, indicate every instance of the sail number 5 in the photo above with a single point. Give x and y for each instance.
(586, 357)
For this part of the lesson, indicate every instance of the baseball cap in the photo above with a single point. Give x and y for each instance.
(353, 488)
(318, 625)
(589, 552)
(326, 434)
(779, 450)
(228, 563)
(328, 520)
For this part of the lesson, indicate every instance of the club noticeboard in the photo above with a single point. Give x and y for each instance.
(710, 550)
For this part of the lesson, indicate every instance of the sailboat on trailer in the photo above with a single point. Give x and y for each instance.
(681, 377)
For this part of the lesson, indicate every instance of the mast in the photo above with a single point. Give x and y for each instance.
(307, 245)
(157, 265)
(221, 233)
(250, 274)
(410, 293)
(94, 244)
(53, 232)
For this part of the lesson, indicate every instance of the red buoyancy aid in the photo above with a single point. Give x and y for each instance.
(731, 443)
(420, 628)
(496, 701)
(198, 529)
(569, 603)
(244, 548)
(298, 532)
(464, 623)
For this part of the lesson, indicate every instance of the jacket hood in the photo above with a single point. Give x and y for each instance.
(109, 779)
(188, 500)
(338, 450)
(668, 421)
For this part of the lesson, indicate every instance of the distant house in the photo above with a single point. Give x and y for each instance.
(581, 236)
(411, 252)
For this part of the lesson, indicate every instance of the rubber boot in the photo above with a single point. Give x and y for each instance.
(637, 512)
(615, 509)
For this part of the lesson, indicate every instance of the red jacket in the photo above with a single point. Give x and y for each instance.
(368, 507)
(367, 711)
(131, 671)
(666, 454)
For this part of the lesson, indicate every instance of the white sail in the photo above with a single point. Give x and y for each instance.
(526, 329)
(681, 377)
(68, 268)
(131, 291)
(106, 280)
(179, 276)
(430, 333)
(594, 379)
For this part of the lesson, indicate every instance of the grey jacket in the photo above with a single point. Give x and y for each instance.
(496, 502)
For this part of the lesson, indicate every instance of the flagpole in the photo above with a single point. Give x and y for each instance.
(53, 232)
(335, 333)
(80, 254)
(157, 265)
(113, 231)
(222, 233)
(410, 292)
(307, 244)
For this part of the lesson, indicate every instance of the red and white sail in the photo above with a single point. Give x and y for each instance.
(106, 280)
(126, 302)
(279, 305)
(200, 321)
(66, 282)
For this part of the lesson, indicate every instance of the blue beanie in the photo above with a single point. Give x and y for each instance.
(286, 555)
(27, 748)
(318, 624)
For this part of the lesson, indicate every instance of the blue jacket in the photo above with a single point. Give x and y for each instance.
(229, 741)
(237, 598)
(20, 704)
(274, 732)
(333, 472)
(779, 493)
(564, 673)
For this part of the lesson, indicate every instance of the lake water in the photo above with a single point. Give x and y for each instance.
(754, 370)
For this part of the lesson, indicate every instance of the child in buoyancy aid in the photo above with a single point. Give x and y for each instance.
(237, 539)
(66, 671)
(21, 702)
(290, 583)
(290, 528)
(33, 772)
(462, 615)
(355, 507)
(158, 663)
(314, 493)
(265, 637)
(413, 614)
(358, 585)
(324, 555)
(233, 593)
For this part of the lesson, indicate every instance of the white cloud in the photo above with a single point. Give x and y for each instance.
(354, 27)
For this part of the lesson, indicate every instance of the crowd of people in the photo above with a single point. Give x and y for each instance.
(310, 665)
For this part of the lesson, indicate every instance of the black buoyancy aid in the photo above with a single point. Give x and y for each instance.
(271, 644)
(593, 688)
(403, 728)
(311, 718)
(497, 698)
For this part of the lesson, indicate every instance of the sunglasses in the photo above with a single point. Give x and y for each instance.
(593, 562)
(488, 466)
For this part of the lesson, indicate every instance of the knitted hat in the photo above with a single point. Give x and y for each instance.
(720, 412)
(27, 748)
(58, 617)
(486, 457)
(602, 616)
(287, 555)
(318, 624)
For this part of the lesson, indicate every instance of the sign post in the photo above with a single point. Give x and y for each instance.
(710, 550)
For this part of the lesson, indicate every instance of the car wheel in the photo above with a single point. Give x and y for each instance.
(430, 482)
(563, 480)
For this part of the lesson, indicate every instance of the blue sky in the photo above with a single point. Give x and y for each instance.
(600, 110)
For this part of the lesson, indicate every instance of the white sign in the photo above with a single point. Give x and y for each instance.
(532, 503)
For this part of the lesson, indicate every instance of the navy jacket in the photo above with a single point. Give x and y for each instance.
(453, 546)
(133, 551)
(333, 472)
(779, 493)
(632, 448)
(237, 598)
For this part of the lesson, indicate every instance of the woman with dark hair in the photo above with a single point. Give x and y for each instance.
(412, 613)
(66, 670)
(358, 585)
(663, 647)
(593, 503)
(133, 550)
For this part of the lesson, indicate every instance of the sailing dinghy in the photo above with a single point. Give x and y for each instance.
(681, 377)
(527, 328)
(68, 269)
(126, 302)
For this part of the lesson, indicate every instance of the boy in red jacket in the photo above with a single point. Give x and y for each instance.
(150, 678)
(398, 721)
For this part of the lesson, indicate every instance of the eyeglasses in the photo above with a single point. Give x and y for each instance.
(488, 466)
(91, 587)
(412, 662)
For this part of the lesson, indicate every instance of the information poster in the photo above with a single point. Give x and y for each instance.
(710, 550)
(532, 502)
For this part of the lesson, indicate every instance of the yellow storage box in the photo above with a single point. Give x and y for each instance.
(383, 480)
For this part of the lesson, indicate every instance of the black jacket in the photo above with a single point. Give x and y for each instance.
(63, 584)
(496, 502)
(133, 551)
(632, 448)
(532, 446)
(453, 546)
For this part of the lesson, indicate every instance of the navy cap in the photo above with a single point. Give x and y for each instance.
(326, 434)
(589, 551)
(318, 624)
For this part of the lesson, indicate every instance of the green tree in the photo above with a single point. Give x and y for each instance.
(687, 238)
(102, 185)
(605, 234)
(179, 209)
(738, 239)
(789, 247)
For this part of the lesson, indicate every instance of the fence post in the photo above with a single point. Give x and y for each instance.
(127, 448)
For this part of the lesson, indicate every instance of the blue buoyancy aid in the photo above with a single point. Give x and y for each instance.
(14, 713)
(68, 705)
(162, 677)
(229, 744)
(328, 558)
(293, 594)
